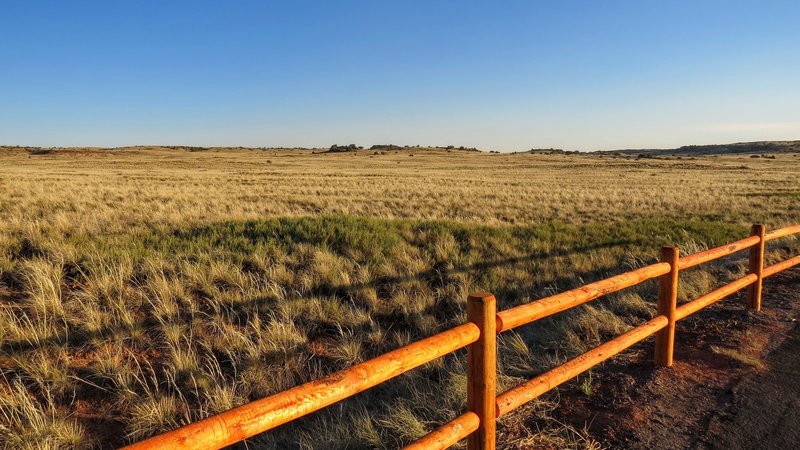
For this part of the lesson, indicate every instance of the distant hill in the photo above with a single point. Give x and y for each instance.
(719, 149)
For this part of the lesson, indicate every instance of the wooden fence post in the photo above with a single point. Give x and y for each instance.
(482, 370)
(667, 303)
(756, 267)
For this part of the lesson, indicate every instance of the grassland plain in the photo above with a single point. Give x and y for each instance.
(143, 288)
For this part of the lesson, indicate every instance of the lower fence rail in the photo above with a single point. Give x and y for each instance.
(449, 433)
(714, 296)
(781, 266)
(477, 423)
(529, 390)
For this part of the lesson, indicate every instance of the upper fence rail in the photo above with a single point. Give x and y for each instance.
(478, 335)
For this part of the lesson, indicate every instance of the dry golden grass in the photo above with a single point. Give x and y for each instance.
(98, 190)
(144, 288)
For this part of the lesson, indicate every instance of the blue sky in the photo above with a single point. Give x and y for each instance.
(502, 75)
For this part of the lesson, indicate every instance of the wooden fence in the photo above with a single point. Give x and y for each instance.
(477, 424)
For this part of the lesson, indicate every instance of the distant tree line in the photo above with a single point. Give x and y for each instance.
(344, 148)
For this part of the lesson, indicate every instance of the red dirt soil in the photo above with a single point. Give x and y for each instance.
(747, 397)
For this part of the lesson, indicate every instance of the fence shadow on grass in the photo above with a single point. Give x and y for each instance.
(440, 276)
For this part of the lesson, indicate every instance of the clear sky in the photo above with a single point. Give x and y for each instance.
(499, 75)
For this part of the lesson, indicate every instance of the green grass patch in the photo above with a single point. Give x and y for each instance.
(347, 235)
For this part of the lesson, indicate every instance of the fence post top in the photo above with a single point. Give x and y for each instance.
(758, 227)
(481, 296)
(669, 251)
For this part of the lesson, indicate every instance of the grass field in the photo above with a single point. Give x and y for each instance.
(144, 288)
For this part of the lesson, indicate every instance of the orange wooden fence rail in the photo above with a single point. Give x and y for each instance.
(477, 424)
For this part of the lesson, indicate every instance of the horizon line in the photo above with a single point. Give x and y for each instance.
(365, 147)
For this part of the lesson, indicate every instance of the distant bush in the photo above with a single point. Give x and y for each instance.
(344, 148)
(385, 147)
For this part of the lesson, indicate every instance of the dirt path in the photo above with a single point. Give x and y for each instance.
(765, 410)
(735, 383)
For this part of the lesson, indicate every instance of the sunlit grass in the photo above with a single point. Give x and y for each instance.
(160, 287)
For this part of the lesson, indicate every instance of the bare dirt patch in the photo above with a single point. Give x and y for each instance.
(735, 382)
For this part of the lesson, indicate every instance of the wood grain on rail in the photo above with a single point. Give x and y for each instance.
(448, 434)
(717, 252)
(261, 415)
(783, 265)
(714, 296)
(524, 314)
(782, 232)
(528, 391)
